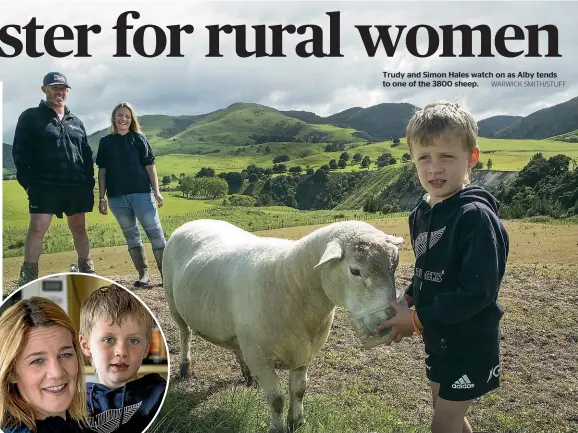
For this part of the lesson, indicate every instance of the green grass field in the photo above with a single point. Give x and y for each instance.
(15, 207)
(104, 231)
(506, 155)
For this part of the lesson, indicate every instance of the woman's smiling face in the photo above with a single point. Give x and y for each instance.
(47, 370)
(122, 120)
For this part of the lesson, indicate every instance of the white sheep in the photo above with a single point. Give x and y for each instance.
(272, 300)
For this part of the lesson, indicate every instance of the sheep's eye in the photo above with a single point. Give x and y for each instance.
(355, 272)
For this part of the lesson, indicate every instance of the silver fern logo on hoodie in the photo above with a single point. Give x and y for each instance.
(421, 241)
(109, 420)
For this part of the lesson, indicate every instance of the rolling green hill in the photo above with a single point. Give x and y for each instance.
(548, 122)
(384, 121)
(237, 125)
(569, 137)
(488, 127)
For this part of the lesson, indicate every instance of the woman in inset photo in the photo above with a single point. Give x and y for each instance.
(128, 177)
(42, 384)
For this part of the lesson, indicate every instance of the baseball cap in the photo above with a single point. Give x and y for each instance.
(55, 78)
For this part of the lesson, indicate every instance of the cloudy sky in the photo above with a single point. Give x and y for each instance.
(195, 84)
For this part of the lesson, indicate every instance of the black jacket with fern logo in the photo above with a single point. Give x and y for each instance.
(127, 409)
(461, 248)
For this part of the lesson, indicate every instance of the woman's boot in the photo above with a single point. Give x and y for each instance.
(158, 253)
(139, 260)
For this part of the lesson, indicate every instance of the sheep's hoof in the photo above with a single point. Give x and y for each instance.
(250, 382)
(292, 426)
(185, 370)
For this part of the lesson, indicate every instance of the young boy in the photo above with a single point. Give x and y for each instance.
(115, 332)
(461, 248)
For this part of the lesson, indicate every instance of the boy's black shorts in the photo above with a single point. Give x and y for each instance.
(57, 199)
(464, 377)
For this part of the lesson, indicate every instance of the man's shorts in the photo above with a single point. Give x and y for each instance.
(56, 199)
(464, 377)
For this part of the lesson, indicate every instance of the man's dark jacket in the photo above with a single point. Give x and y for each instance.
(48, 150)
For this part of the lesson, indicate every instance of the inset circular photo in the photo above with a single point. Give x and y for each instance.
(79, 353)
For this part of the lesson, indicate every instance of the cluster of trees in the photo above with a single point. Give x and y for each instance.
(204, 188)
(386, 158)
(309, 189)
(480, 165)
(375, 204)
(334, 147)
(543, 187)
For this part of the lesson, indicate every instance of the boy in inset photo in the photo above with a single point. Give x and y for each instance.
(115, 333)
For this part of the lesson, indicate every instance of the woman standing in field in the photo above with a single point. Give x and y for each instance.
(127, 174)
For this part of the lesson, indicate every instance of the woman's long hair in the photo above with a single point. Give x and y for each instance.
(134, 125)
(15, 324)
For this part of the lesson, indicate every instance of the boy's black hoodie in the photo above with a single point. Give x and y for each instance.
(52, 424)
(461, 249)
(129, 408)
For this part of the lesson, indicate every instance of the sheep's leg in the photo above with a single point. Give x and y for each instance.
(269, 381)
(297, 386)
(185, 332)
(185, 357)
(245, 371)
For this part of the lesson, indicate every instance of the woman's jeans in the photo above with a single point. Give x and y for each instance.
(127, 208)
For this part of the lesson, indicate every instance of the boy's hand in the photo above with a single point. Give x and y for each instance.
(408, 300)
(401, 324)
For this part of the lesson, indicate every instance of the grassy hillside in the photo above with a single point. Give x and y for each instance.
(571, 137)
(544, 123)
(488, 127)
(384, 121)
(15, 207)
(306, 116)
(372, 186)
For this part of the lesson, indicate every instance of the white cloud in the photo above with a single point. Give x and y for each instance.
(196, 84)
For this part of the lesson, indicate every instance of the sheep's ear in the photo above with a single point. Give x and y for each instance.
(396, 240)
(334, 251)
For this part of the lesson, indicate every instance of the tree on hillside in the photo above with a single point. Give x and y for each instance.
(489, 164)
(395, 142)
(342, 163)
(203, 187)
(357, 157)
(295, 169)
(385, 159)
(166, 180)
(406, 157)
(325, 168)
(279, 168)
(320, 176)
(173, 178)
(333, 165)
(365, 162)
(206, 172)
(310, 172)
(344, 156)
(479, 166)
(281, 158)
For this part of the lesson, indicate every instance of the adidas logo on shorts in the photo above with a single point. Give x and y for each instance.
(463, 383)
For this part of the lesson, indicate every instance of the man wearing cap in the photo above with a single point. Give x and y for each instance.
(54, 166)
